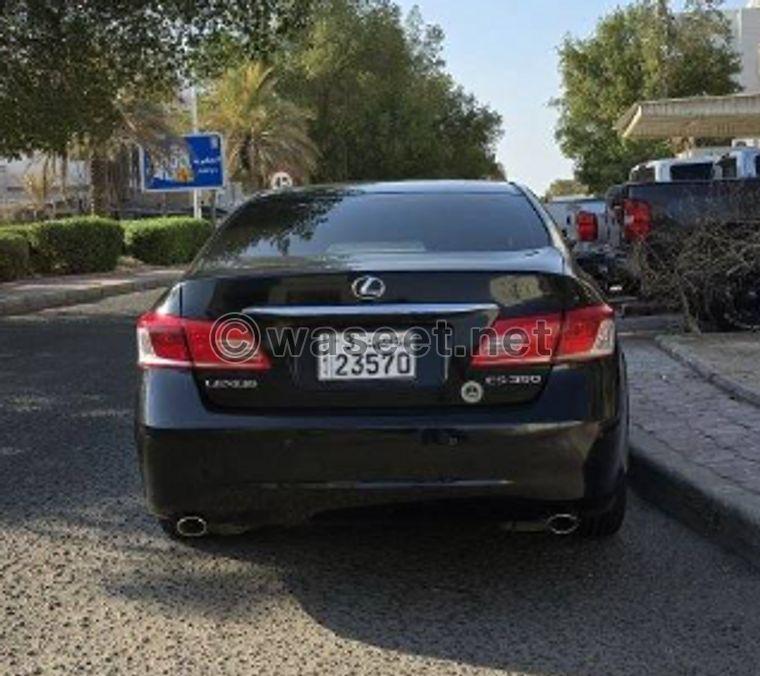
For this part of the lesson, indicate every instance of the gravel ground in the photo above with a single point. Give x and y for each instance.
(90, 583)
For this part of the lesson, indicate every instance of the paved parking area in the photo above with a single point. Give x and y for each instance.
(89, 583)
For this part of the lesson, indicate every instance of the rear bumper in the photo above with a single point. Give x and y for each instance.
(238, 467)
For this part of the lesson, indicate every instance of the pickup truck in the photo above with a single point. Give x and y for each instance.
(655, 213)
(591, 233)
(738, 162)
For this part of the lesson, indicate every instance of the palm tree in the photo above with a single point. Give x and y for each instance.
(45, 182)
(263, 132)
(139, 122)
(37, 186)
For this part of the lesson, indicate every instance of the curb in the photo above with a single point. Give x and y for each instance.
(716, 508)
(707, 372)
(34, 302)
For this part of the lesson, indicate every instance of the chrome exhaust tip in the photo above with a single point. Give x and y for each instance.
(562, 524)
(191, 527)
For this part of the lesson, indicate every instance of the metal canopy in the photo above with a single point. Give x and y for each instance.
(698, 117)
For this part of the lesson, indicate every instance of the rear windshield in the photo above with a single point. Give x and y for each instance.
(343, 224)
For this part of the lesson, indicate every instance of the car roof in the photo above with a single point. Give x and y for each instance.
(415, 187)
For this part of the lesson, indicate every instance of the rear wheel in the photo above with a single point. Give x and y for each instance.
(169, 527)
(608, 522)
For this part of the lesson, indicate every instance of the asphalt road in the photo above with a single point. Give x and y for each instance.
(88, 581)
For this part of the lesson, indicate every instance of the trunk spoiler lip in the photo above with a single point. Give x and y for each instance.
(546, 260)
(377, 309)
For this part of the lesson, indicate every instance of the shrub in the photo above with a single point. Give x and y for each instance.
(709, 271)
(166, 241)
(72, 245)
(14, 255)
(37, 262)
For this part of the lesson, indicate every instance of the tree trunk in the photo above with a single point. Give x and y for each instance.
(99, 197)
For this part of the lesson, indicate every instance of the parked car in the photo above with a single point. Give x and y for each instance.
(673, 210)
(564, 210)
(520, 410)
(592, 235)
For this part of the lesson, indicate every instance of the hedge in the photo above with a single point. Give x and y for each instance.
(14, 256)
(166, 241)
(72, 245)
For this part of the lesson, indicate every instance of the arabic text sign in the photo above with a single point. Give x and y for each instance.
(196, 162)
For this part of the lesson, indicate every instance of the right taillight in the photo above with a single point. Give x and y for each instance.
(587, 226)
(587, 333)
(577, 335)
(637, 220)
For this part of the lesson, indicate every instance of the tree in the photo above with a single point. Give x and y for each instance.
(564, 187)
(263, 132)
(642, 51)
(67, 67)
(383, 105)
(138, 122)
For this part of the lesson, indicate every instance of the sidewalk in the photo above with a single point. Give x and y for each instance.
(695, 445)
(730, 360)
(30, 295)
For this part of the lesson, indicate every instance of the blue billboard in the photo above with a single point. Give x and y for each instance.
(194, 162)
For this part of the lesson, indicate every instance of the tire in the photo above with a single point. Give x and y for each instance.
(168, 526)
(608, 522)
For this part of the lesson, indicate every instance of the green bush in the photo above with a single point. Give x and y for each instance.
(72, 245)
(14, 256)
(166, 241)
(37, 263)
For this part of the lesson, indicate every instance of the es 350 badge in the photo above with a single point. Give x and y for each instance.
(514, 380)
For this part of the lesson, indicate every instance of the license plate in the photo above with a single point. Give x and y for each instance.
(366, 356)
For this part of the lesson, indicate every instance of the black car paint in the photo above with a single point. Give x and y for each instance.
(281, 452)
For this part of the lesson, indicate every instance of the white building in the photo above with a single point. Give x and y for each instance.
(745, 24)
(14, 175)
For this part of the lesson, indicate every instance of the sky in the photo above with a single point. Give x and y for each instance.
(505, 52)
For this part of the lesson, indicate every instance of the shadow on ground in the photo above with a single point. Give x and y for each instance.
(477, 596)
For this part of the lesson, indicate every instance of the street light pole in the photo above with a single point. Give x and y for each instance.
(194, 114)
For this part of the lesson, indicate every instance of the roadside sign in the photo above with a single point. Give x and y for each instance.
(281, 180)
(195, 162)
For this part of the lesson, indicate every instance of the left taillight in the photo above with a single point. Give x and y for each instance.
(577, 335)
(174, 342)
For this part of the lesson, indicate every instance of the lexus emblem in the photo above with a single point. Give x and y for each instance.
(368, 287)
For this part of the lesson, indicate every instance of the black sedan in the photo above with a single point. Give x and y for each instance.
(383, 345)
